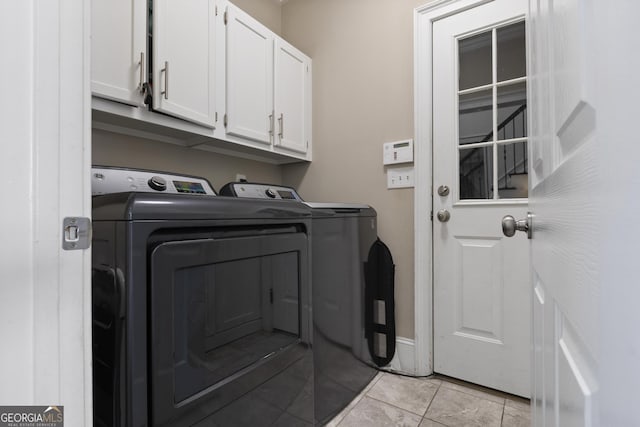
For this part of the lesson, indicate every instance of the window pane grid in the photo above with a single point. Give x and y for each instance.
(493, 165)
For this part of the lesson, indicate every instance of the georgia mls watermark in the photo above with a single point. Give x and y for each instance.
(31, 416)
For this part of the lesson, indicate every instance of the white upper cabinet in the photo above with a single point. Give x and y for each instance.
(118, 52)
(249, 83)
(184, 59)
(268, 87)
(202, 63)
(292, 99)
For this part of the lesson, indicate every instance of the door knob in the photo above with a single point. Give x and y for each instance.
(510, 225)
(443, 215)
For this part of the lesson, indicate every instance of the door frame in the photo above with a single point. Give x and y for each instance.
(424, 18)
(45, 311)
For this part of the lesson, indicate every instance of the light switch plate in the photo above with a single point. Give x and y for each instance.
(400, 177)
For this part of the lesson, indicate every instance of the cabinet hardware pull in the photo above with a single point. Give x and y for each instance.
(281, 123)
(270, 125)
(165, 70)
(141, 83)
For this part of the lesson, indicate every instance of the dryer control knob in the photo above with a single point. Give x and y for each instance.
(157, 183)
(270, 193)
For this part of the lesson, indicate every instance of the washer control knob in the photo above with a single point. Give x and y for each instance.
(270, 193)
(158, 183)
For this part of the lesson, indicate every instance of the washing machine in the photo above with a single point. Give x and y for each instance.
(201, 304)
(342, 235)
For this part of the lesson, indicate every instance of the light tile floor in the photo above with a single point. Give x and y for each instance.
(395, 400)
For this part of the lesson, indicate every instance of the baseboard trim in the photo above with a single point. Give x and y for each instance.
(403, 361)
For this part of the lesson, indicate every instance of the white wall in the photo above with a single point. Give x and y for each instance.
(268, 12)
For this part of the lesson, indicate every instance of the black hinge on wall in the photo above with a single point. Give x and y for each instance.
(271, 295)
(225, 120)
(225, 18)
(216, 9)
(431, 216)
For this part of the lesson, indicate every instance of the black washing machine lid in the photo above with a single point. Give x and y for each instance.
(133, 206)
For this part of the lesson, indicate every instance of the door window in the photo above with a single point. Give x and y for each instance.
(492, 114)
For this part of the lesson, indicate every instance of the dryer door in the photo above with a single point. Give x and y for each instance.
(219, 309)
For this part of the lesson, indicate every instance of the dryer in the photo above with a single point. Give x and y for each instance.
(342, 235)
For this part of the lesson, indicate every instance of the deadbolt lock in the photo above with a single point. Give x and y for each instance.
(443, 190)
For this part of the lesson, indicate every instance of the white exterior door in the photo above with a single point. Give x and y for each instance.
(184, 59)
(249, 78)
(292, 97)
(481, 293)
(118, 57)
(584, 198)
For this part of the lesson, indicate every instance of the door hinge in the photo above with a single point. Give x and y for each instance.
(225, 120)
(431, 216)
(225, 17)
(76, 233)
(216, 9)
(271, 295)
(216, 117)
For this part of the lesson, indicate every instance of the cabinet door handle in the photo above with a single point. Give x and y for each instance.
(281, 123)
(271, 125)
(165, 70)
(141, 82)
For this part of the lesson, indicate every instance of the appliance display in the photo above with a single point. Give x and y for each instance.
(201, 305)
(189, 187)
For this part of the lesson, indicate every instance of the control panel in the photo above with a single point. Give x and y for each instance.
(259, 191)
(107, 180)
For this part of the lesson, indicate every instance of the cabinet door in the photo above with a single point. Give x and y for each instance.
(249, 77)
(118, 49)
(184, 59)
(292, 97)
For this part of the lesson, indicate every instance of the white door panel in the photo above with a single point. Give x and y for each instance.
(583, 199)
(291, 96)
(249, 77)
(45, 296)
(184, 59)
(118, 51)
(481, 292)
(564, 257)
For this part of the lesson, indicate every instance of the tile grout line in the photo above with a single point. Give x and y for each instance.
(464, 390)
(438, 387)
(395, 406)
(432, 399)
(429, 406)
(406, 410)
